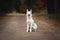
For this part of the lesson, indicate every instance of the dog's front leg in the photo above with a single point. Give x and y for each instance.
(27, 27)
(31, 27)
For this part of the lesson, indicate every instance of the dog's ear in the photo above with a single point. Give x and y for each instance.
(31, 10)
(27, 10)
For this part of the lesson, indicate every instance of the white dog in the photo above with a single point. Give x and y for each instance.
(31, 25)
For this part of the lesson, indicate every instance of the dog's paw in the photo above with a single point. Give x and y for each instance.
(26, 30)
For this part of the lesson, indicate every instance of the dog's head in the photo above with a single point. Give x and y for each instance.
(29, 11)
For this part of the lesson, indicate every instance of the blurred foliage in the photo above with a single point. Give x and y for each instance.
(54, 16)
(7, 5)
(21, 5)
(35, 5)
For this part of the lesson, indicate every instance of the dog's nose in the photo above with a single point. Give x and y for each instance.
(28, 15)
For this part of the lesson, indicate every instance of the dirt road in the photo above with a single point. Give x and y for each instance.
(14, 28)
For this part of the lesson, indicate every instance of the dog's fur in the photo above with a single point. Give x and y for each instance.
(31, 25)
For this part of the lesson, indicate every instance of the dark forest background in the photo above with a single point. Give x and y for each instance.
(21, 5)
(52, 6)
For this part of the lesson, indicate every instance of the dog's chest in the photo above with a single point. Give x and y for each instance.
(30, 20)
